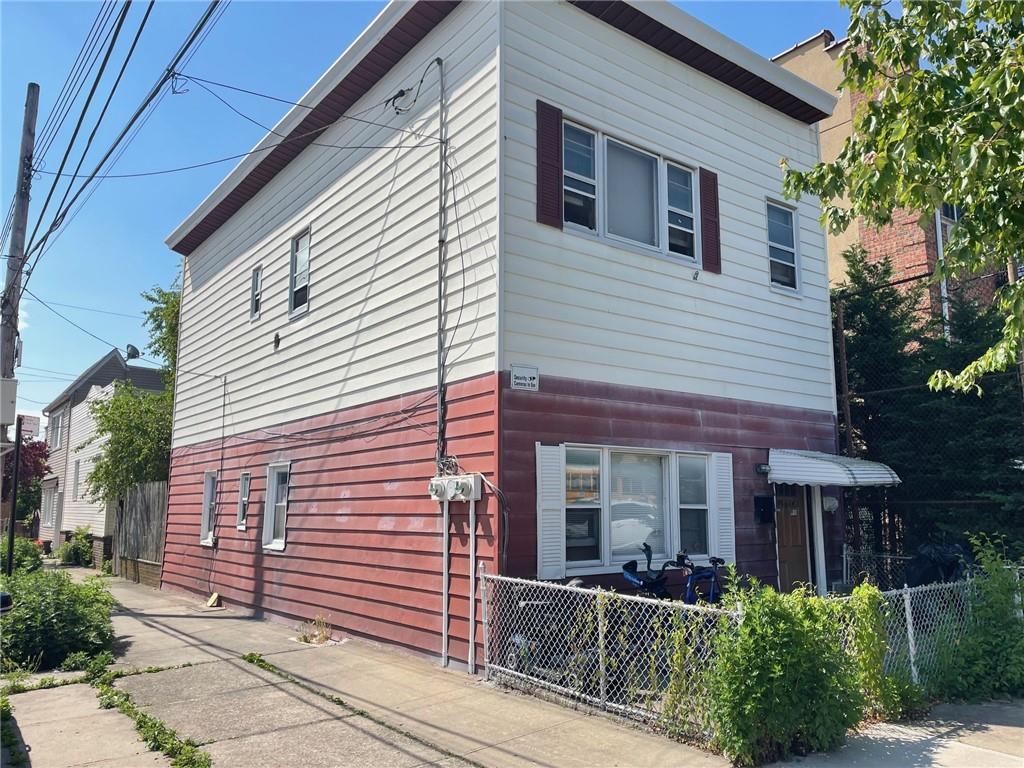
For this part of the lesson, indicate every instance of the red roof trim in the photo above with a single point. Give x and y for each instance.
(420, 19)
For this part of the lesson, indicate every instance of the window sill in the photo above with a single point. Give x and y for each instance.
(295, 314)
(793, 293)
(275, 547)
(637, 248)
(210, 542)
(240, 527)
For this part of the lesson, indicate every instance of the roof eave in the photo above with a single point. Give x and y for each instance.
(352, 55)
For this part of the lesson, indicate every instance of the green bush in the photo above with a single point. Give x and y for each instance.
(781, 682)
(53, 617)
(988, 658)
(28, 556)
(77, 551)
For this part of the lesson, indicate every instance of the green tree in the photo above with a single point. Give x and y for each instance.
(944, 124)
(135, 423)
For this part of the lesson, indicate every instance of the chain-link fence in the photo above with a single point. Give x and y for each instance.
(884, 571)
(641, 658)
(652, 660)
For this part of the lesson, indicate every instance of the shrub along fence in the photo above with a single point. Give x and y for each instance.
(766, 674)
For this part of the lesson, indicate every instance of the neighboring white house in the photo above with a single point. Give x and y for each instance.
(627, 313)
(69, 433)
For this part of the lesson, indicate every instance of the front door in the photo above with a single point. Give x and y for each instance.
(791, 531)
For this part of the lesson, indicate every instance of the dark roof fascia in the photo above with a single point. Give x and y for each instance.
(83, 379)
(634, 22)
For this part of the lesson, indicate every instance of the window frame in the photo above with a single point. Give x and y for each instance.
(59, 418)
(795, 289)
(600, 182)
(255, 292)
(48, 506)
(306, 232)
(269, 543)
(244, 500)
(74, 488)
(680, 506)
(208, 513)
(670, 480)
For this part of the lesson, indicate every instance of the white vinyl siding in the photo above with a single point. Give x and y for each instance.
(586, 307)
(371, 330)
(208, 514)
(597, 506)
(275, 512)
(83, 448)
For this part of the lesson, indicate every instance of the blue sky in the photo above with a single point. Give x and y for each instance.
(115, 248)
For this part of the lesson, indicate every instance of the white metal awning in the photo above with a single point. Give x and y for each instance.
(816, 468)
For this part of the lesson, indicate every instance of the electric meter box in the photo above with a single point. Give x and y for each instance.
(8, 401)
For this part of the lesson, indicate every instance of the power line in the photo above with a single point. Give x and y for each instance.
(140, 110)
(94, 309)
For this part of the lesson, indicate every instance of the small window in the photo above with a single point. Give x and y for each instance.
(255, 292)
(951, 212)
(276, 512)
(782, 246)
(580, 177)
(693, 505)
(681, 229)
(74, 488)
(46, 513)
(56, 430)
(298, 294)
(209, 513)
(244, 483)
(632, 194)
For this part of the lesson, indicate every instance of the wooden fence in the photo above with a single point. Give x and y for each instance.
(139, 533)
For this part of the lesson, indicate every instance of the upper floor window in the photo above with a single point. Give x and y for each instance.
(255, 292)
(298, 284)
(580, 176)
(74, 487)
(782, 250)
(626, 193)
(55, 430)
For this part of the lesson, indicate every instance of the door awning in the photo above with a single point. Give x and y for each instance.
(816, 468)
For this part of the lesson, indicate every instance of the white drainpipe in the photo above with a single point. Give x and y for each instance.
(471, 661)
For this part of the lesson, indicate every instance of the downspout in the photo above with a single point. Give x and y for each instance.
(444, 584)
(471, 661)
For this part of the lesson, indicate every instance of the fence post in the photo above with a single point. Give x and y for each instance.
(846, 563)
(911, 643)
(602, 655)
(483, 620)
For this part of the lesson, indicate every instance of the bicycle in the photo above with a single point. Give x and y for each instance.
(701, 580)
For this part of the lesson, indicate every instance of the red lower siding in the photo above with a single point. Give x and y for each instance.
(363, 539)
(567, 410)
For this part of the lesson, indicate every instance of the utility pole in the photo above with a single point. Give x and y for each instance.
(12, 295)
(16, 257)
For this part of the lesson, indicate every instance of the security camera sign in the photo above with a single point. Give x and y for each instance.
(525, 377)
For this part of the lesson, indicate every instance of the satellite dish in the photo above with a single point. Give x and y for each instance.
(133, 352)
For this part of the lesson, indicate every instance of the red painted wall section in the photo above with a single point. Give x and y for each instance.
(363, 538)
(567, 410)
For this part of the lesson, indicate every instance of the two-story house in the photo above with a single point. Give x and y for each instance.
(70, 432)
(545, 242)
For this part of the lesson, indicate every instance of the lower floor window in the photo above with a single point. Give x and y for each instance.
(48, 507)
(276, 509)
(209, 513)
(616, 501)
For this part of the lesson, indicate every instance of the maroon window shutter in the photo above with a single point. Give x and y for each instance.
(549, 165)
(710, 236)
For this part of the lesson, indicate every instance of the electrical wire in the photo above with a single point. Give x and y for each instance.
(69, 321)
(78, 126)
(94, 309)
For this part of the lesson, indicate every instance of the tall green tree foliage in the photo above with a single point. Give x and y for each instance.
(943, 123)
(960, 455)
(137, 423)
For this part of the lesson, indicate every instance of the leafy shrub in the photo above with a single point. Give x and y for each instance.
(77, 551)
(28, 556)
(74, 662)
(781, 682)
(53, 617)
(988, 658)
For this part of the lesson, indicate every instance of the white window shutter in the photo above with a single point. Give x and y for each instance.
(550, 511)
(724, 513)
